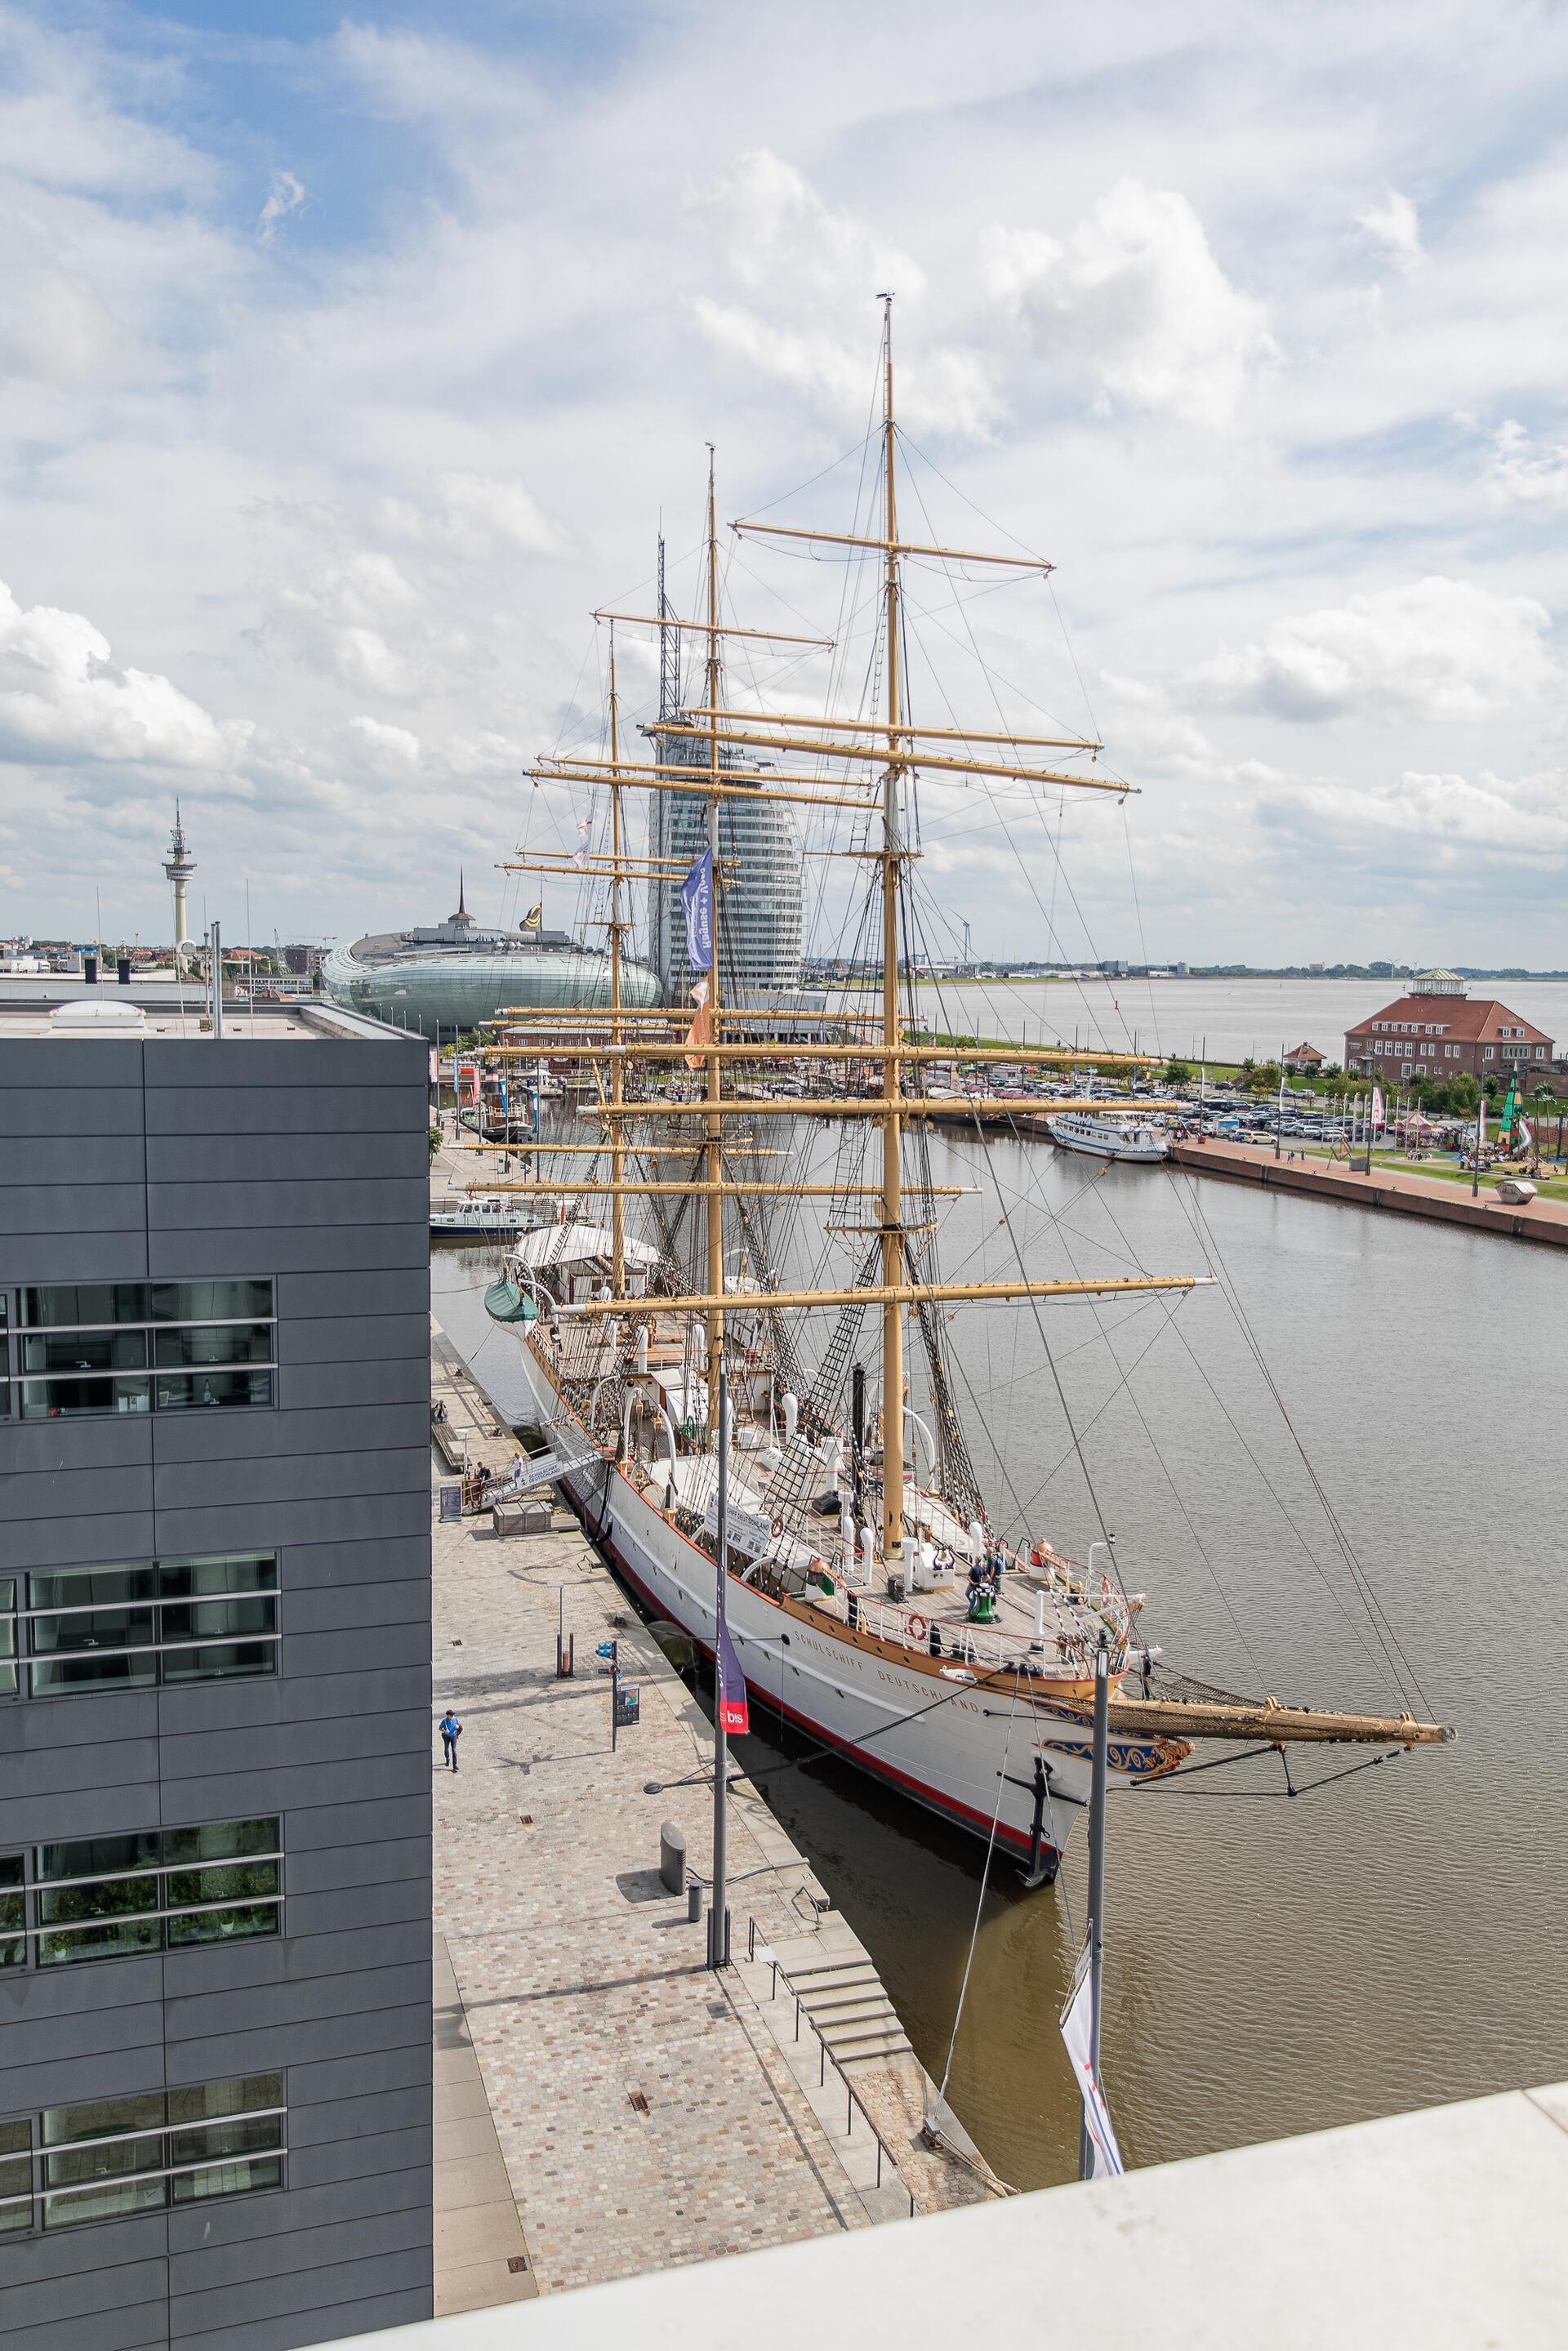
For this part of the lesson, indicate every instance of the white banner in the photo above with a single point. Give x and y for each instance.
(748, 1535)
(1105, 2155)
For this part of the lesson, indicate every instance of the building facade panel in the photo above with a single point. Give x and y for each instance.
(114, 2325)
(290, 1434)
(91, 1116)
(79, 1159)
(290, 1248)
(97, 1256)
(282, 1523)
(371, 1292)
(283, 2216)
(267, 1111)
(317, 1565)
(172, 1726)
(363, 2073)
(354, 1911)
(364, 1157)
(337, 1340)
(76, 1541)
(251, 1206)
(326, 1388)
(241, 2310)
(270, 1702)
(340, 1607)
(362, 2315)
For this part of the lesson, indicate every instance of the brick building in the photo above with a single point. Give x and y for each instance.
(1438, 1032)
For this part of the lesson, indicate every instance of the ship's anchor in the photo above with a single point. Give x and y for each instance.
(1041, 1867)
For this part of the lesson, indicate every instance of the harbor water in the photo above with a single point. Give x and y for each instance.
(1224, 1019)
(1275, 1964)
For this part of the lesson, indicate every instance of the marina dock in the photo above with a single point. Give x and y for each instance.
(606, 2105)
(1392, 1190)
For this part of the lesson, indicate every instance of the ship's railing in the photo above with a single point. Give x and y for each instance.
(1069, 1657)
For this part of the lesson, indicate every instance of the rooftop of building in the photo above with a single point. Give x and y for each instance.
(467, 938)
(1468, 1017)
(1442, 2227)
(68, 1011)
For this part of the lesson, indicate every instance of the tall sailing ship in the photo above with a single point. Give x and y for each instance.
(875, 1597)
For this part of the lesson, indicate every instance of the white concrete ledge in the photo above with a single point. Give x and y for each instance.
(1447, 2228)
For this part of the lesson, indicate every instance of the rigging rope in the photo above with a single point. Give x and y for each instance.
(979, 1907)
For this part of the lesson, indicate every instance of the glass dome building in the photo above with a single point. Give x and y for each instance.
(457, 973)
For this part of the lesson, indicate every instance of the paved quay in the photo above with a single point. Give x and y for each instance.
(646, 2111)
(1390, 1190)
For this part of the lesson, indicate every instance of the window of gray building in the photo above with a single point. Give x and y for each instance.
(115, 1897)
(70, 1630)
(103, 2158)
(13, 1917)
(160, 1889)
(91, 1349)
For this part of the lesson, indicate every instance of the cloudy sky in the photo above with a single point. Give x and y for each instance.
(347, 362)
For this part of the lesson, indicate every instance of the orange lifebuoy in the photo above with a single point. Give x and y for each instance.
(911, 1623)
(777, 1527)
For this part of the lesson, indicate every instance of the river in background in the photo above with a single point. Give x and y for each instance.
(1275, 1965)
(1230, 1020)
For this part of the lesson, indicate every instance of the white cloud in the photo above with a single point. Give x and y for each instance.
(61, 698)
(1136, 299)
(1520, 473)
(388, 742)
(339, 621)
(820, 270)
(1436, 820)
(389, 481)
(1438, 649)
(474, 514)
(1395, 225)
(285, 196)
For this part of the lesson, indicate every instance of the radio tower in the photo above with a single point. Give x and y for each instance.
(179, 865)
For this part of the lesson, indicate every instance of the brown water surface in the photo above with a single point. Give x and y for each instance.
(1275, 1965)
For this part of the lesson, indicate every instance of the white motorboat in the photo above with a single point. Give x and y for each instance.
(491, 1213)
(1108, 1138)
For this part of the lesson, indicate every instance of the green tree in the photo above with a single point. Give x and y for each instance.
(1178, 1074)
(1264, 1077)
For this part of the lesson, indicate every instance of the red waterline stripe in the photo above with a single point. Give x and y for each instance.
(950, 1807)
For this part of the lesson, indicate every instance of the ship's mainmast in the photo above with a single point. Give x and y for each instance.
(892, 1026)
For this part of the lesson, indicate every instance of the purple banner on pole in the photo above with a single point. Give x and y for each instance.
(697, 903)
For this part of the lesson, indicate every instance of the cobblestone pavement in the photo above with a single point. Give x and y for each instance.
(644, 2114)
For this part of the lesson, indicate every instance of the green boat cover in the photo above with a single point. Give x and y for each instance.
(504, 1304)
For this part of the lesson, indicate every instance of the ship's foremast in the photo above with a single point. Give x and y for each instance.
(727, 741)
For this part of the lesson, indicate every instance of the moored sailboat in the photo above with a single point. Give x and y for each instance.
(873, 1596)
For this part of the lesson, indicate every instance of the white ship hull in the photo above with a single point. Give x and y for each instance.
(473, 1228)
(938, 1735)
(1108, 1144)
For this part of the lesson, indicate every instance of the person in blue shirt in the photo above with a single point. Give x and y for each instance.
(451, 1732)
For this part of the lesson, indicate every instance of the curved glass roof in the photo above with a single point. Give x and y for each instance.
(457, 975)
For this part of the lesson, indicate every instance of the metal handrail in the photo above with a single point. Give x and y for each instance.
(827, 2059)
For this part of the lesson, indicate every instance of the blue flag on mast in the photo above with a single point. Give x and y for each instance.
(697, 905)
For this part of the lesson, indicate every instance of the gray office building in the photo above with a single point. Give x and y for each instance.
(759, 903)
(215, 1677)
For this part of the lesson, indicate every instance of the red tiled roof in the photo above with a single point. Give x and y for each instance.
(1297, 1053)
(1467, 1019)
